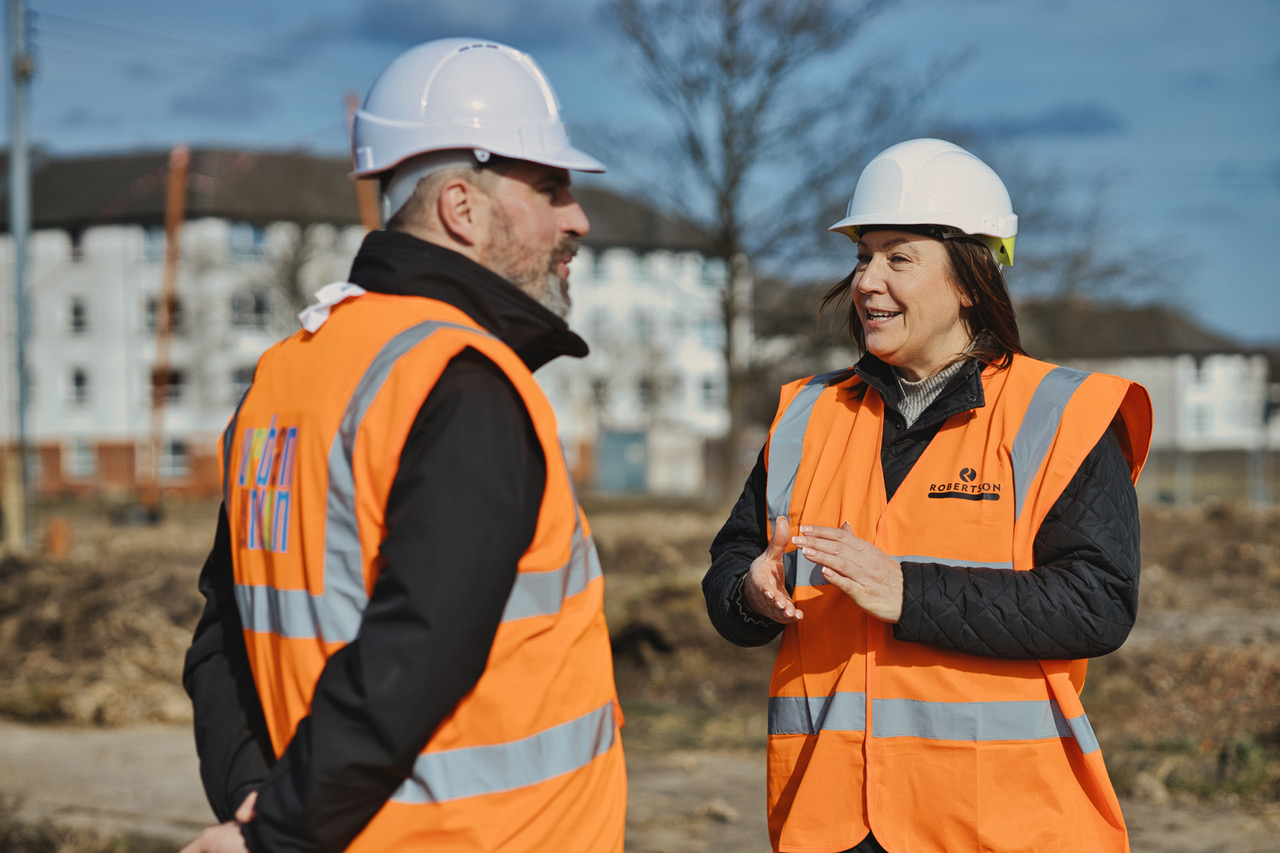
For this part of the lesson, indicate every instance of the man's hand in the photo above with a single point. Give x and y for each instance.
(223, 838)
(765, 586)
(862, 571)
(226, 837)
(248, 808)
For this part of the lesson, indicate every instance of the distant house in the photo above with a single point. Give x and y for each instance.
(263, 230)
(1214, 399)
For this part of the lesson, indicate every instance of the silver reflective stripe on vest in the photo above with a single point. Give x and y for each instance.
(472, 771)
(787, 442)
(334, 615)
(804, 715)
(801, 571)
(1038, 428)
(952, 561)
(970, 722)
(287, 612)
(541, 593)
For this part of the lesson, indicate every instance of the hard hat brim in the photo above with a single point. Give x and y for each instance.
(850, 225)
(568, 158)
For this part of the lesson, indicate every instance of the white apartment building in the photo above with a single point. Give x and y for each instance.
(637, 416)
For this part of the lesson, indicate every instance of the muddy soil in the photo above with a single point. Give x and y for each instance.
(1188, 711)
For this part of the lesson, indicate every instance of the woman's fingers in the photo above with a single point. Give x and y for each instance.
(765, 585)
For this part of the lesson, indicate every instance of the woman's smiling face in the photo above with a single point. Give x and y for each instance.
(911, 312)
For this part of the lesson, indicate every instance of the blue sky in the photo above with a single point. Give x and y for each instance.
(1173, 105)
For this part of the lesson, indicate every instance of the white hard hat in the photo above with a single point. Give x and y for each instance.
(462, 94)
(931, 182)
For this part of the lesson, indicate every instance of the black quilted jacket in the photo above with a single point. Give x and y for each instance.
(1079, 601)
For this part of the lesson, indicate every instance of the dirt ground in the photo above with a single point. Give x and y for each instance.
(93, 737)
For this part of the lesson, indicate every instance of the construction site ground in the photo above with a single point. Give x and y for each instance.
(96, 752)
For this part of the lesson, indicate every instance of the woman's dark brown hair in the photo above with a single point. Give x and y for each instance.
(991, 321)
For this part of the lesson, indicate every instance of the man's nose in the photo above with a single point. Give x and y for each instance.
(573, 219)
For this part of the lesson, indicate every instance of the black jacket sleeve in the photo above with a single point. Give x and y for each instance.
(231, 733)
(742, 538)
(1079, 601)
(462, 510)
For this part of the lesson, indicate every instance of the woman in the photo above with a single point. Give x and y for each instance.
(942, 534)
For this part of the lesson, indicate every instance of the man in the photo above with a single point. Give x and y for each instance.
(404, 644)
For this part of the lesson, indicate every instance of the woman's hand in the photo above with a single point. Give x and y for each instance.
(765, 586)
(862, 571)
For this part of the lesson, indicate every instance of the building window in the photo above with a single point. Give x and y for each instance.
(175, 461)
(246, 242)
(154, 242)
(172, 383)
(78, 315)
(598, 325)
(250, 310)
(714, 273)
(644, 329)
(711, 333)
(80, 390)
(241, 379)
(712, 393)
(177, 316)
(599, 392)
(80, 460)
(647, 391)
(1201, 420)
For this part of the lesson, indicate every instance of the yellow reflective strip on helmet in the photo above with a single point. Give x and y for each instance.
(1001, 247)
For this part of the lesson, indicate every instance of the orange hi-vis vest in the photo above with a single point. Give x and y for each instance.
(530, 761)
(931, 749)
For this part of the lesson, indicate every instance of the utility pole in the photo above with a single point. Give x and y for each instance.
(17, 474)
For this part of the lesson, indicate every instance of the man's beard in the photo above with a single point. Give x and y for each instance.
(524, 268)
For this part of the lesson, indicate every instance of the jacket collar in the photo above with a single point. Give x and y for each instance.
(400, 264)
(963, 392)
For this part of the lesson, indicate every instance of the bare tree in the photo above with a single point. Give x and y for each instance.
(1072, 246)
(763, 107)
(299, 259)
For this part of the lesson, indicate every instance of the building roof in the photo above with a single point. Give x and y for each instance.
(1062, 330)
(74, 193)
(619, 221)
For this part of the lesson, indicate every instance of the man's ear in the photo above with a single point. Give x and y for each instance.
(460, 207)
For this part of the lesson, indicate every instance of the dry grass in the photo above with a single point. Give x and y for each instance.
(18, 836)
(1189, 708)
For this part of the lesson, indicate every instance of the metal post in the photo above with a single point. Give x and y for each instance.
(18, 467)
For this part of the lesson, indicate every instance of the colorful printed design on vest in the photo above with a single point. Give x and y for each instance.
(967, 488)
(266, 477)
